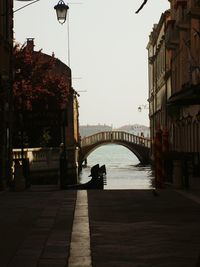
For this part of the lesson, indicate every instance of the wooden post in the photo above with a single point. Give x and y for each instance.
(158, 160)
(165, 149)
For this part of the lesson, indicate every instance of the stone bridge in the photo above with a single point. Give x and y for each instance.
(140, 146)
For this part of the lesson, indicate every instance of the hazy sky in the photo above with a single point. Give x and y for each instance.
(108, 55)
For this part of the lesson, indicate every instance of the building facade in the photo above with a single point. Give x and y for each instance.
(6, 43)
(70, 126)
(184, 103)
(177, 114)
(158, 81)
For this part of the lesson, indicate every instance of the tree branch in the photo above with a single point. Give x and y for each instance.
(144, 3)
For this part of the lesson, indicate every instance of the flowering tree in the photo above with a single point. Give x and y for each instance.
(40, 92)
(37, 82)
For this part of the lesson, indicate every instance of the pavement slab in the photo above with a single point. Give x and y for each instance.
(127, 228)
(35, 227)
(135, 228)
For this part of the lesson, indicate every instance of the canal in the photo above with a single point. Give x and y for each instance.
(123, 171)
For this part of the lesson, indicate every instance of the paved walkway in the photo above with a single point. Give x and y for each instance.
(35, 227)
(138, 229)
(128, 228)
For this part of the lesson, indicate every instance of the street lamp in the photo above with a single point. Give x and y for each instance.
(61, 11)
(142, 107)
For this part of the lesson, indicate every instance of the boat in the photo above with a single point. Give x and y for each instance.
(97, 181)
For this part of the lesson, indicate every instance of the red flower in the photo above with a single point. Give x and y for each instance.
(37, 81)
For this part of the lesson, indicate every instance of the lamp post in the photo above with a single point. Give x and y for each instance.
(61, 12)
(63, 158)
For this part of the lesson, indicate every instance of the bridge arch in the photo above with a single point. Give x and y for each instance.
(139, 146)
(116, 143)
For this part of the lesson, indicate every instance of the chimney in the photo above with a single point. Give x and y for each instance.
(30, 44)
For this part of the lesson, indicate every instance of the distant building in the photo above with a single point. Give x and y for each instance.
(87, 130)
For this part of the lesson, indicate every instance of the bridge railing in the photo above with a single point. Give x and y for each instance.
(112, 136)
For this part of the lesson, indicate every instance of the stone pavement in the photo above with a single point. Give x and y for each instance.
(137, 229)
(35, 227)
(128, 228)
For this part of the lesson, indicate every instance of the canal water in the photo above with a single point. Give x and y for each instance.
(123, 171)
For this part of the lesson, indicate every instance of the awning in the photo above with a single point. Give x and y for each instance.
(187, 96)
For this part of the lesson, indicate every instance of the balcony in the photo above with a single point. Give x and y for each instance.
(171, 35)
(182, 19)
(188, 95)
